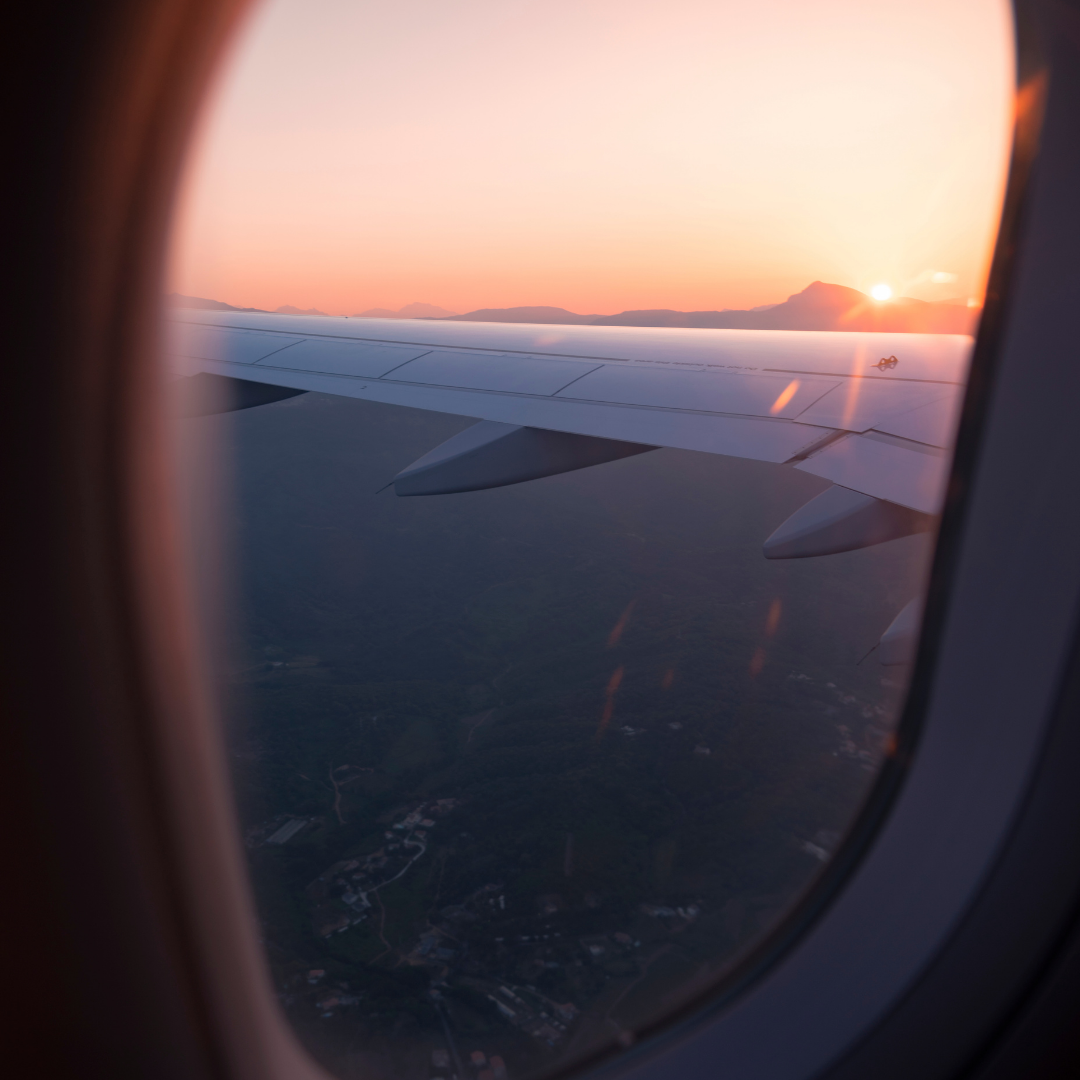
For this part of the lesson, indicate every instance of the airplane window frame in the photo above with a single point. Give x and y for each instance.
(994, 685)
(975, 894)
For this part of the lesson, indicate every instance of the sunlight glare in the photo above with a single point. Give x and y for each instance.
(785, 396)
(881, 292)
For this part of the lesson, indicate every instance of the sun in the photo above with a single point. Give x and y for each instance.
(881, 292)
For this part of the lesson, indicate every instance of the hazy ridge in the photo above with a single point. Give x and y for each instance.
(820, 306)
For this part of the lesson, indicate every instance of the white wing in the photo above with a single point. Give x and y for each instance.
(874, 413)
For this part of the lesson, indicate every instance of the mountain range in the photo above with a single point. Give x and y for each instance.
(409, 311)
(528, 315)
(820, 306)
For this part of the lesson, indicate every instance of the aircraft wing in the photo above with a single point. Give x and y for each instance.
(873, 413)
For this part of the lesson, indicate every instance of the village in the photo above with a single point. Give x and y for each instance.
(464, 948)
(342, 894)
(502, 972)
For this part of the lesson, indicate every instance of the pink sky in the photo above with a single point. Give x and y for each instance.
(598, 155)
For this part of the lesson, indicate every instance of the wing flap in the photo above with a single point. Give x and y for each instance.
(896, 470)
(933, 424)
(359, 359)
(708, 391)
(860, 403)
(503, 374)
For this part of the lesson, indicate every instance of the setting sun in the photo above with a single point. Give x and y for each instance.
(709, 156)
(881, 292)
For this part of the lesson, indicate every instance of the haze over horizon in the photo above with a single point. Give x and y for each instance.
(599, 157)
(820, 306)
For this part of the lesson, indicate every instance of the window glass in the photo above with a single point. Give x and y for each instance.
(525, 769)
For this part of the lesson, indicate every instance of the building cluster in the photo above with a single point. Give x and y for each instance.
(278, 830)
(341, 894)
(822, 845)
(480, 1066)
(534, 1017)
(330, 998)
(526, 1008)
(459, 947)
(868, 749)
(659, 911)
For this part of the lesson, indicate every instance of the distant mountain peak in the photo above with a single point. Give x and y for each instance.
(425, 311)
(414, 310)
(556, 315)
(820, 306)
(178, 300)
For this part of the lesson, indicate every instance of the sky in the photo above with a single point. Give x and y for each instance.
(597, 155)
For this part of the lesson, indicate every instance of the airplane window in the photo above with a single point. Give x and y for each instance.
(566, 392)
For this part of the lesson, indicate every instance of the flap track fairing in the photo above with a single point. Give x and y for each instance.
(491, 454)
(897, 644)
(206, 394)
(840, 519)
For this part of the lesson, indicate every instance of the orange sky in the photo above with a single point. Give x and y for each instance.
(598, 155)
